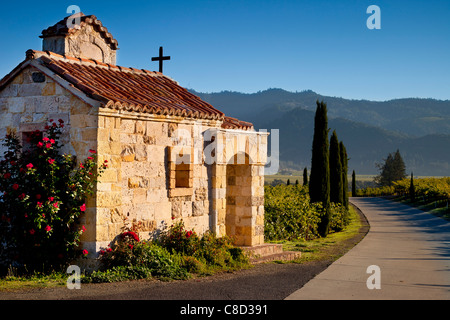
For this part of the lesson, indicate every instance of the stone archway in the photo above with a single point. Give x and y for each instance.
(238, 218)
(237, 185)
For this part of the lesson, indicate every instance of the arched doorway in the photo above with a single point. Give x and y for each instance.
(238, 219)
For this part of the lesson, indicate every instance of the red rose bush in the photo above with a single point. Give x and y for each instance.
(42, 194)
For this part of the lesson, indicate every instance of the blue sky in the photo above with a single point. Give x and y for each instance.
(247, 45)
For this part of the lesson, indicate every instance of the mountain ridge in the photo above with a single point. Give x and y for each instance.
(418, 127)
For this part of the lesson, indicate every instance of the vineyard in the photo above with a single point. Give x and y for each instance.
(289, 214)
(429, 193)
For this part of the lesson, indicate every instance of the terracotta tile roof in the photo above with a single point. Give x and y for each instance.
(233, 123)
(128, 89)
(60, 28)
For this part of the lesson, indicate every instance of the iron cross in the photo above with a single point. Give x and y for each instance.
(161, 58)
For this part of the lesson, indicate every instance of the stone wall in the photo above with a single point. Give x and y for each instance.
(136, 189)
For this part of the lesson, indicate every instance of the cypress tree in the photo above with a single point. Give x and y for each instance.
(353, 184)
(305, 177)
(344, 161)
(319, 182)
(336, 183)
(412, 190)
(288, 182)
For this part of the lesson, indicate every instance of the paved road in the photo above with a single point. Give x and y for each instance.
(410, 247)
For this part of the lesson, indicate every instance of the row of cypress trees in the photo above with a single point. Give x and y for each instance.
(329, 165)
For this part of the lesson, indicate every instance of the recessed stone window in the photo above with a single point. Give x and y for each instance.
(38, 77)
(181, 169)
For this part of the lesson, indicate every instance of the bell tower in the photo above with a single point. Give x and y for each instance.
(81, 36)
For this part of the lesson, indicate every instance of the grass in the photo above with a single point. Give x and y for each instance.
(437, 209)
(324, 248)
(37, 280)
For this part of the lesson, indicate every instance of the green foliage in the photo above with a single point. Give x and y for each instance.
(212, 250)
(43, 194)
(319, 183)
(336, 169)
(339, 217)
(425, 189)
(353, 184)
(412, 189)
(175, 255)
(344, 160)
(289, 214)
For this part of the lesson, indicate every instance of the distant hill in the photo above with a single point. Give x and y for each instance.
(420, 128)
(413, 116)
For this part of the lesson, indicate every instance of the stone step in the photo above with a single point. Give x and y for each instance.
(269, 252)
(263, 250)
(283, 256)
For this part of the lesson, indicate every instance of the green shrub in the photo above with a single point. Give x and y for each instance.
(289, 214)
(175, 255)
(128, 254)
(213, 250)
(339, 217)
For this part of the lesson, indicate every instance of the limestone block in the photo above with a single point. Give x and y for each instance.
(49, 89)
(104, 186)
(109, 175)
(89, 134)
(186, 209)
(144, 211)
(176, 209)
(114, 135)
(30, 89)
(128, 153)
(39, 117)
(149, 139)
(201, 194)
(163, 212)
(180, 192)
(141, 152)
(77, 120)
(140, 127)
(16, 105)
(10, 91)
(259, 230)
(156, 153)
(260, 220)
(139, 195)
(156, 195)
(128, 139)
(78, 106)
(26, 117)
(127, 126)
(109, 199)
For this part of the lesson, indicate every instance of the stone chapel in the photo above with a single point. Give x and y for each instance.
(171, 155)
